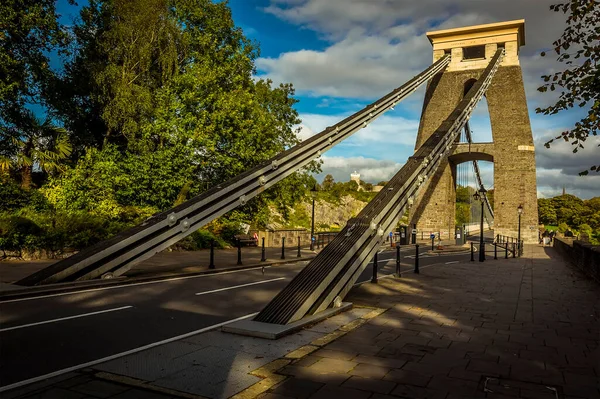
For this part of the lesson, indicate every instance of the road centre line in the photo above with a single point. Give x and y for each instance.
(449, 263)
(240, 286)
(64, 318)
(132, 284)
(118, 355)
(149, 346)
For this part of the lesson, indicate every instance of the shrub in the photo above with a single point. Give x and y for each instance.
(563, 227)
(18, 233)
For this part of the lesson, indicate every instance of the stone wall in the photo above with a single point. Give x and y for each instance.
(581, 254)
(273, 238)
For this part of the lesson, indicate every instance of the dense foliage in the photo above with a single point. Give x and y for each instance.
(579, 82)
(569, 212)
(154, 102)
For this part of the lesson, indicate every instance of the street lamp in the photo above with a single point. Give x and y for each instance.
(520, 210)
(313, 194)
(480, 196)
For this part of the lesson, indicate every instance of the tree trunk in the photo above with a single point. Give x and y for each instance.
(26, 172)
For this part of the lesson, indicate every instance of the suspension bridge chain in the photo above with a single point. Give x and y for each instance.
(477, 174)
(120, 253)
(335, 269)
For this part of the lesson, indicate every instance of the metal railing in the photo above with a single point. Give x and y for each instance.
(115, 256)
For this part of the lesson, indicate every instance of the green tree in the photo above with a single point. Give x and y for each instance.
(463, 212)
(29, 31)
(35, 144)
(579, 82)
(328, 182)
(567, 208)
(546, 211)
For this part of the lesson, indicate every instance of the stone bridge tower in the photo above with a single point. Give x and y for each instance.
(512, 149)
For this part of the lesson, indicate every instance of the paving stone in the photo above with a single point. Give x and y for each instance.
(489, 368)
(100, 389)
(332, 391)
(333, 354)
(369, 371)
(414, 392)
(56, 393)
(369, 384)
(379, 361)
(142, 394)
(297, 388)
(329, 366)
(408, 377)
(307, 361)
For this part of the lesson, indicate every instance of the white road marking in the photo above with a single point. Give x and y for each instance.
(118, 355)
(64, 318)
(240, 286)
(449, 263)
(133, 284)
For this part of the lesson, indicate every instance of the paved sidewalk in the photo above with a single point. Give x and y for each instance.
(526, 327)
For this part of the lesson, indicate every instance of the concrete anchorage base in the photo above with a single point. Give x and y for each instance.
(259, 329)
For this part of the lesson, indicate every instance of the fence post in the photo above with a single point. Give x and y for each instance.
(398, 274)
(472, 252)
(239, 245)
(496, 251)
(374, 278)
(505, 250)
(299, 254)
(263, 254)
(416, 258)
(211, 265)
(282, 247)
(514, 250)
(483, 251)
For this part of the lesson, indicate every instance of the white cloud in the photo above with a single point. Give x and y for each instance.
(388, 129)
(371, 170)
(375, 46)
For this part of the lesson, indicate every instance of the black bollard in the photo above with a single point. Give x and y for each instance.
(514, 250)
(299, 254)
(212, 255)
(482, 258)
(398, 274)
(472, 252)
(239, 245)
(432, 240)
(374, 278)
(495, 251)
(417, 259)
(263, 254)
(505, 250)
(282, 247)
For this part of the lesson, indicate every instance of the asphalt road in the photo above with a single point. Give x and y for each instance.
(47, 334)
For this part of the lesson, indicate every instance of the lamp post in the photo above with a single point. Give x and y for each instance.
(313, 194)
(520, 210)
(480, 196)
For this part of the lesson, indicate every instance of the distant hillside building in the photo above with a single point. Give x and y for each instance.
(356, 177)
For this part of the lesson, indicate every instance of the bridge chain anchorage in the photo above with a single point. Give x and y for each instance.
(121, 252)
(333, 272)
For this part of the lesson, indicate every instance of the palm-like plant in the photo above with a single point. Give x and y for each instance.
(36, 144)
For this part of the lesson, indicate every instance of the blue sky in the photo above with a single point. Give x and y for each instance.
(342, 54)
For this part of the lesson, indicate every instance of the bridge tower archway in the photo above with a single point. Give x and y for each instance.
(512, 149)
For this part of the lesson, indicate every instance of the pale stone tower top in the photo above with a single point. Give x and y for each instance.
(472, 47)
(355, 176)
